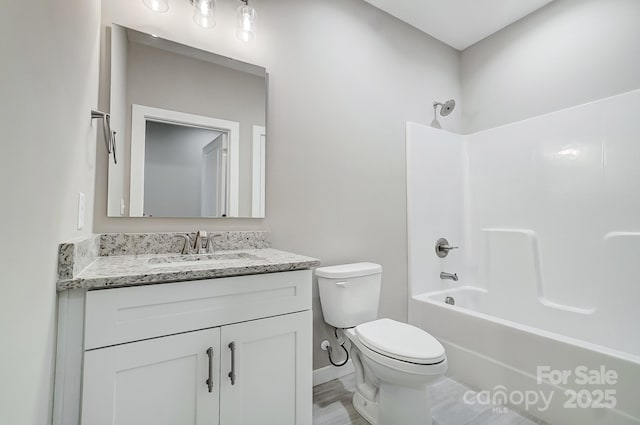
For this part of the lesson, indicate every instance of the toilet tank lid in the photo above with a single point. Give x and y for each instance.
(344, 271)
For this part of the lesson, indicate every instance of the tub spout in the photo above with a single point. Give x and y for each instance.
(451, 276)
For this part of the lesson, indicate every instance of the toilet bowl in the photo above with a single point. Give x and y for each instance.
(395, 362)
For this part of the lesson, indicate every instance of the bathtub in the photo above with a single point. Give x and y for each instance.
(533, 367)
(547, 259)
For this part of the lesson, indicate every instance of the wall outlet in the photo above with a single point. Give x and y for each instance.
(122, 206)
(80, 210)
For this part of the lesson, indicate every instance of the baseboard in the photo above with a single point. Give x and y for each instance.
(329, 373)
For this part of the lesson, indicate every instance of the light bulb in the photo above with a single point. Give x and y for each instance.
(159, 6)
(203, 13)
(247, 18)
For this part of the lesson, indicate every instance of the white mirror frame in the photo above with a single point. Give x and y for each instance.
(141, 114)
(258, 172)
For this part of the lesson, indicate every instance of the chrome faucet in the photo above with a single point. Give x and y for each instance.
(197, 246)
(451, 276)
(200, 237)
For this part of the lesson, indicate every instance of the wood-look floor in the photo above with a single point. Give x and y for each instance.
(332, 406)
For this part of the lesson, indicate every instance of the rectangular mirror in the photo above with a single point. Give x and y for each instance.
(190, 131)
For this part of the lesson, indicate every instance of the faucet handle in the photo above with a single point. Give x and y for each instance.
(443, 247)
(188, 247)
(210, 239)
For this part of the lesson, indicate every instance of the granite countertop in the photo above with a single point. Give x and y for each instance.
(126, 270)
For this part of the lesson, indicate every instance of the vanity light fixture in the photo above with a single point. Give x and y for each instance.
(247, 18)
(204, 15)
(159, 6)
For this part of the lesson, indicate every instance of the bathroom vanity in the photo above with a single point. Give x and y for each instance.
(223, 338)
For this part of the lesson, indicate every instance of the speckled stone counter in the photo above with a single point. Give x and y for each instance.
(142, 259)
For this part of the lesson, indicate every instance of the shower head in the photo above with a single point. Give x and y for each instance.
(445, 108)
(448, 107)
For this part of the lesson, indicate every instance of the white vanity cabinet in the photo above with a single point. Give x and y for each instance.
(272, 382)
(158, 381)
(224, 351)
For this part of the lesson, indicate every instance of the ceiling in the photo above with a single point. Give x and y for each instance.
(459, 23)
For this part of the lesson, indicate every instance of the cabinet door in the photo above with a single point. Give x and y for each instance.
(272, 364)
(160, 381)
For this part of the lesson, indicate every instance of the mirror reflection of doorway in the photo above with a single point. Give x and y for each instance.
(185, 171)
(183, 165)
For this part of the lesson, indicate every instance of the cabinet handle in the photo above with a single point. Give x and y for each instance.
(210, 378)
(232, 374)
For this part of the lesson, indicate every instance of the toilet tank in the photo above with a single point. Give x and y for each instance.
(349, 293)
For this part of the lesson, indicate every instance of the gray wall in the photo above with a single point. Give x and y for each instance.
(171, 81)
(173, 169)
(344, 78)
(567, 53)
(50, 61)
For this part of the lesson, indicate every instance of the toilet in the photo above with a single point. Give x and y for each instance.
(394, 362)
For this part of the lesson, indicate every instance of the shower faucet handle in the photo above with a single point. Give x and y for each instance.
(443, 247)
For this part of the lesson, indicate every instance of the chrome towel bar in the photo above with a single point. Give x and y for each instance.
(109, 135)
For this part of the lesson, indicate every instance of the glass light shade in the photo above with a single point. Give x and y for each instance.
(203, 13)
(159, 6)
(247, 20)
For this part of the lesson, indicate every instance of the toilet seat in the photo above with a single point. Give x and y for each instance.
(400, 341)
(400, 366)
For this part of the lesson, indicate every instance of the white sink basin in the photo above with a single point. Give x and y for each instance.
(196, 259)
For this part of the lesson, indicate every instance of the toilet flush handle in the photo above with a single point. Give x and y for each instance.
(341, 284)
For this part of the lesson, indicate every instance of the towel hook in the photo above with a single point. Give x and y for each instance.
(109, 135)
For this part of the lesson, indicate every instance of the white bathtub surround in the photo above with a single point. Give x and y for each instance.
(436, 171)
(545, 212)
